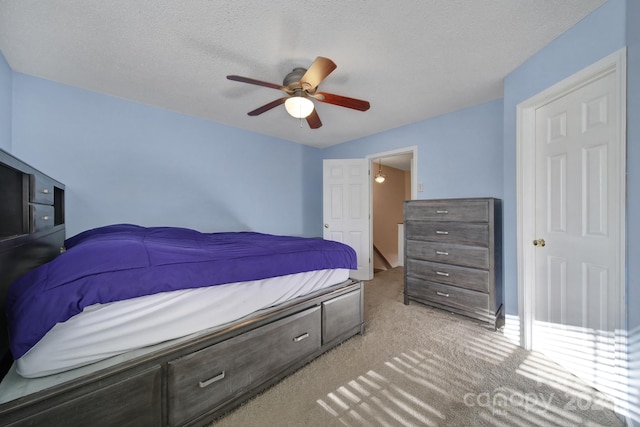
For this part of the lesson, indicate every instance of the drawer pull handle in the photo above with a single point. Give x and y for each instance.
(442, 232)
(442, 273)
(442, 212)
(210, 381)
(442, 294)
(442, 253)
(45, 218)
(301, 337)
(45, 191)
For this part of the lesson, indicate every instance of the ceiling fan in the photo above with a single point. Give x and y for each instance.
(300, 85)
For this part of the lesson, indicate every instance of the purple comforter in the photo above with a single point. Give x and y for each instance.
(119, 262)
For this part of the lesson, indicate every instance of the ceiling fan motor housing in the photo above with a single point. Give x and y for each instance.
(292, 79)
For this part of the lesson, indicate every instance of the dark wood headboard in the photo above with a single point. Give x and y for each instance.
(32, 229)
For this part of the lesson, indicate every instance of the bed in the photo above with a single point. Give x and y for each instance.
(131, 325)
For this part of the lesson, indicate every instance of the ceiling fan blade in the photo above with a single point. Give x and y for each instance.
(342, 101)
(256, 82)
(316, 73)
(267, 107)
(314, 120)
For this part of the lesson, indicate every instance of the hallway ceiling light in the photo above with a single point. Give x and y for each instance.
(380, 177)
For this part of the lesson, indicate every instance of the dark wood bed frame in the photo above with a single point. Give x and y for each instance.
(188, 381)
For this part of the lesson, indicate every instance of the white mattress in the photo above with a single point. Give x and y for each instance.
(105, 330)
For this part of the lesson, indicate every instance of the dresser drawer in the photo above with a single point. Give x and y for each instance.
(469, 278)
(448, 210)
(42, 217)
(451, 296)
(202, 381)
(469, 256)
(449, 232)
(41, 190)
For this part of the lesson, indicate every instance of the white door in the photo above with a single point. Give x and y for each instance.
(576, 300)
(346, 204)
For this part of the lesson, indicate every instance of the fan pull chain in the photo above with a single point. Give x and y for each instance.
(300, 105)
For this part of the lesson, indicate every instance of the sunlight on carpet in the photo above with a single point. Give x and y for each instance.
(419, 366)
(380, 397)
(373, 397)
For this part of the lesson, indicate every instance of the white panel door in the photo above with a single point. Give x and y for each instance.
(346, 204)
(577, 205)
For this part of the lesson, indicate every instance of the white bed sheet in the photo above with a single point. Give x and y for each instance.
(105, 330)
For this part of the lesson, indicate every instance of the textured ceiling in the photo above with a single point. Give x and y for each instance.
(411, 59)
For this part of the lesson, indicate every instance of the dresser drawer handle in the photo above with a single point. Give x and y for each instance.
(442, 253)
(442, 273)
(442, 294)
(441, 232)
(45, 218)
(442, 212)
(45, 191)
(210, 381)
(301, 337)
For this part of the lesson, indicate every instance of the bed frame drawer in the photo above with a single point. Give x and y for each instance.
(204, 380)
(133, 401)
(341, 315)
(42, 217)
(41, 189)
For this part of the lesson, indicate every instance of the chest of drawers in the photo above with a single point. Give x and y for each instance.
(453, 253)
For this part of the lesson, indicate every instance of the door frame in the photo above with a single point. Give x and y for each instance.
(525, 186)
(413, 150)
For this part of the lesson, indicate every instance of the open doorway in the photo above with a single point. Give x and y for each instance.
(387, 202)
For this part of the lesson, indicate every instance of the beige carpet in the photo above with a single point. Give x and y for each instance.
(417, 366)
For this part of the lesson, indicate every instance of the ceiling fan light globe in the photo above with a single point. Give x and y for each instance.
(298, 106)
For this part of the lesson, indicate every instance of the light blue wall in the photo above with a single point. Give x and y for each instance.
(126, 162)
(312, 179)
(633, 202)
(598, 35)
(459, 154)
(5, 104)
(633, 159)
